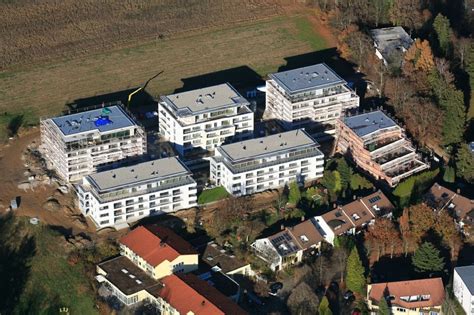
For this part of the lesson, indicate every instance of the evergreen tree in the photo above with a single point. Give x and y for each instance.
(443, 33)
(470, 71)
(346, 173)
(427, 259)
(295, 193)
(332, 181)
(323, 308)
(355, 279)
(384, 309)
(465, 163)
(449, 174)
(451, 101)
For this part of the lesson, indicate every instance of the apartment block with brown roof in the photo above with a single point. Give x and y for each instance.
(159, 251)
(412, 297)
(379, 146)
(290, 245)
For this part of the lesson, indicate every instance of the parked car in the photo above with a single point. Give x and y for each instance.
(275, 287)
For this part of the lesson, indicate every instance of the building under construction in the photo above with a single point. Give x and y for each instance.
(78, 144)
(379, 146)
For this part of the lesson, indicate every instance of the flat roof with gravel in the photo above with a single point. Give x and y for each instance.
(132, 175)
(267, 146)
(204, 100)
(317, 76)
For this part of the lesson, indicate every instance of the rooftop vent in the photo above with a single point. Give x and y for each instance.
(245, 147)
(314, 75)
(132, 170)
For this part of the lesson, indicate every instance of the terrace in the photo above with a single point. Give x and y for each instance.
(401, 171)
(373, 146)
(393, 155)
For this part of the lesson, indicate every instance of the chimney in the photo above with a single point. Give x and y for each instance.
(282, 227)
(334, 205)
(354, 197)
(302, 218)
(458, 191)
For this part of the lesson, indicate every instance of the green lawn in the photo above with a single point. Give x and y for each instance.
(53, 283)
(40, 90)
(306, 33)
(213, 194)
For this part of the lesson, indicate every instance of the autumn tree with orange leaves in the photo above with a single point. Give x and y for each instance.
(383, 237)
(418, 63)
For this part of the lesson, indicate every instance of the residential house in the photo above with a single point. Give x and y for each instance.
(215, 255)
(460, 207)
(198, 121)
(463, 287)
(79, 144)
(118, 197)
(391, 43)
(412, 297)
(312, 97)
(174, 294)
(354, 216)
(159, 251)
(155, 267)
(290, 245)
(379, 146)
(265, 163)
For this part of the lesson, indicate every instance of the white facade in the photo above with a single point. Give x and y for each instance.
(312, 97)
(265, 163)
(200, 120)
(121, 196)
(463, 287)
(75, 145)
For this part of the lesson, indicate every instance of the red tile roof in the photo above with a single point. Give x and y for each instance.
(156, 244)
(187, 293)
(432, 289)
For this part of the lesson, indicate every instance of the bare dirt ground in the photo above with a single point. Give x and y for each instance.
(16, 168)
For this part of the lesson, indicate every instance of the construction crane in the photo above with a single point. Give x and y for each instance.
(141, 88)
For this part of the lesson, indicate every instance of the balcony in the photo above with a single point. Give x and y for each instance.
(128, 194)
(374, 146)
(389, 158)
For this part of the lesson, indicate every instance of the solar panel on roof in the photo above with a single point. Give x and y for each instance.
(374, 199)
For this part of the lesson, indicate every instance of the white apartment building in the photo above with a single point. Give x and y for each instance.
(312, 97)
(265, 163)
(78, 144)
(117, 197)
(200, 120)
(463, 287)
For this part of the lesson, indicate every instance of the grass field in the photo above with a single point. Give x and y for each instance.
(52, 283)
(210, 195)
(260, 45)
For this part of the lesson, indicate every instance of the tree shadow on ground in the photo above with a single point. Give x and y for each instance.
(16, 252)
(392, 269)
(14, 125)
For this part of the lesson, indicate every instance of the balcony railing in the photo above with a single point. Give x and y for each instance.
(109, 197)
(242, 169)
